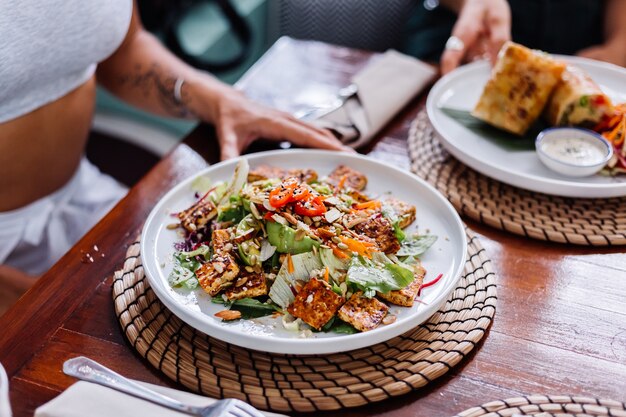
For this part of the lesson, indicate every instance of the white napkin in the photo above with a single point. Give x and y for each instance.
(87, 399)
(5, 406)
(384, 87)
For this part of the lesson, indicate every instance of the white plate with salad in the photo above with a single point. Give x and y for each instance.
(303, 251)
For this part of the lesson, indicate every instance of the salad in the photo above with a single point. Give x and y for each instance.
(613, 130)
(316, 252)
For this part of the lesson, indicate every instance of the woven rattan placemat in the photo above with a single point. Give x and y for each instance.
(548, 406)
(307, 383)
(598, 222)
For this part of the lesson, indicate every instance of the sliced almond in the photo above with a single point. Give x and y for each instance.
(299, 234)
(228, 315)
(290, 218)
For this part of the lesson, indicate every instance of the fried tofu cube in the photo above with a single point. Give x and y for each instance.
(358, 196)
(304, 175)
(406, 296)
(363, 313)
(381, 230)
(315, 303)
(354, 179)
(404, 211)
(197, 215)
(218, 274)
(247, 286)
(221, 242)
(266, 172)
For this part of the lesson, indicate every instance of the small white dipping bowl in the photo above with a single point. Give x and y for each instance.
(573, 151)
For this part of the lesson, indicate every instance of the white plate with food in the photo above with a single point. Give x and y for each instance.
(304, 261)
(498, 153)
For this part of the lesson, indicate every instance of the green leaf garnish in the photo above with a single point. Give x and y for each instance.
(499, 137)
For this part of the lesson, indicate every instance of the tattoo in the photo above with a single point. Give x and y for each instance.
(154, 81)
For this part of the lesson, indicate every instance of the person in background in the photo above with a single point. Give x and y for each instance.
(52, 53)
(459, 31)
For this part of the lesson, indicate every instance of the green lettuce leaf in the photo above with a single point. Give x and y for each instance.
(371, 278)
(417, 245)
(249, 307)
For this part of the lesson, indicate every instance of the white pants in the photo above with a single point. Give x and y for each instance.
(34, 237)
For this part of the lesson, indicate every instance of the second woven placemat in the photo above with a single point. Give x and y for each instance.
(307, 383)
(548, 406)
(597, 222)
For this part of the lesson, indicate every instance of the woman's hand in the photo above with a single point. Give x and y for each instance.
(239, 122)
(144, 73)
(611, 51)
(483, 26)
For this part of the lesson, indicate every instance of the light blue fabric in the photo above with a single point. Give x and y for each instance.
(50, 47)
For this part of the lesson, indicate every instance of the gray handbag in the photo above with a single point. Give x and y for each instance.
(374, 25)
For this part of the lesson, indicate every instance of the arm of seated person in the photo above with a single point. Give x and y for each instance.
(144, 73)
(613, 50)
(13, 284)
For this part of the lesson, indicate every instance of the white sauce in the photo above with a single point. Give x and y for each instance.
(573, 150)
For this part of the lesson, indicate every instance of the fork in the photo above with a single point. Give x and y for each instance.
(91, 371)
(343, 95)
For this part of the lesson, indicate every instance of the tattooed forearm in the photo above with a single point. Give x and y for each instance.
(155, 83)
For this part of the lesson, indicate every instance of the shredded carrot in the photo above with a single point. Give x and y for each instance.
(338, 252)
(613, 133)
(342, 182)
(326, 274)
(614, 130)
(608, 123)
(290, 268)
(357, 246)
(618, 141)
(373, 204)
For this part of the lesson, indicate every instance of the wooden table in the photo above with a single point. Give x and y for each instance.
(560, 327)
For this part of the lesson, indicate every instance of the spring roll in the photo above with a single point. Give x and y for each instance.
(519, 88)
(577, 100)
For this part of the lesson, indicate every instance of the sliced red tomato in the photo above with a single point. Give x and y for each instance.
(598, 100)
(310, 207)
(300, 193)
(282, 194)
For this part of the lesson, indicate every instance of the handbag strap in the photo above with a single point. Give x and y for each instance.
(241, 30)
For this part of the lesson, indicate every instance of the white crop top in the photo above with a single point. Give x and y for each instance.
(50, 47)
